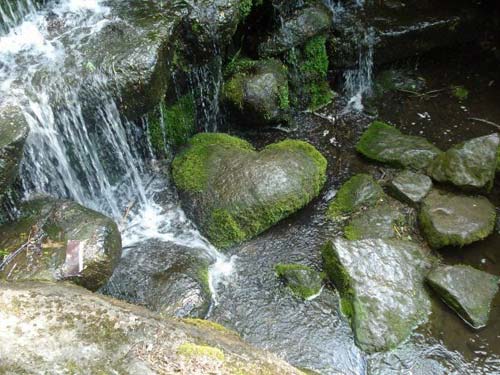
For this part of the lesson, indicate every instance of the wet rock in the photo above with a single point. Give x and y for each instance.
(64, 328)
(381, 221)
(304, 281)
(455, 220)
(60, 240)
(235, 193)
(411, 187)
(359, 191)
(384, 143)
(466, 290)
(471, 164)
(296, 30)
(397, 80)
(258, 91)
(381, 283)
(165, 277)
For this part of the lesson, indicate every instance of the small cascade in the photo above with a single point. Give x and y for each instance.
(12, 12)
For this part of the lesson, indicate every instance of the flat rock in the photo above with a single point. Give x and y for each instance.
(471, 164)
(466, 290)
(384, 143)
(381, 283)
(411, 187)
(455, 220)
(375, 222)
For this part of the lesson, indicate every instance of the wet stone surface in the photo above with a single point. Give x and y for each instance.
(411, 187)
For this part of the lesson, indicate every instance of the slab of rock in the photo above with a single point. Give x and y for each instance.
(375, 222)
(455, 220)
(60, 328)
(234, 192)
(471, 164)
(60, 240)
(381, 283)
(304, 281)
(384, 143)
(411, 187)
(466, 290)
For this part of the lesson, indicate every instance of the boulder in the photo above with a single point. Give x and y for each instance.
(466, 290)
(303, 281)
(60, 240)
(380, 221)
(384, 143)
(60, 328)
(470, 165)
(381, 283)
(234, 193)
(455, 220)
(359, 191)
(411, 187)
(164, 277)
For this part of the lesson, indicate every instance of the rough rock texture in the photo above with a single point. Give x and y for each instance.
(471, 164)
(466, 290)
(380, 221)
(164, 277)
(456, 220)
(60, 240)
(59, 328)
(384, 143)
(381, 283)
(235, 193)
(411, 187)
(304, 281)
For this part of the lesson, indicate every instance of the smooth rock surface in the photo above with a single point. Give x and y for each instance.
(455, 220)
(381, 283)
(466, 290)
(375, 222)
(411, 187)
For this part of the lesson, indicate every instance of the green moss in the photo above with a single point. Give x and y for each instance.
(284, 97)
(192, 350)
(460, 92)
(246, 7)
(202, 323)
(300, 289)
(498, 159)
(320, 95)
(224, 230)
(371, 135)
(316, 58)
(234, 90)
(352, 233)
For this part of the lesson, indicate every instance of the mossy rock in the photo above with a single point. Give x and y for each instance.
(455, 220)
(384, 143)
(234, 192)
(469, 165)
(466, 290)
(410, 187)
(359, 191)
(381, 283)
(303, 281)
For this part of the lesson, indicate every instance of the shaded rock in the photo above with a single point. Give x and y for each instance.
(304, 281)
(381, 285)
(164, 277)
(381, 221)
(466, 290)
(60, 240)
(235, 193)
(471, 164)
(397, 79)
(384, 143)
(359, 191)
(61, 328)
(411, 187)
(455, 220)
(296, 30)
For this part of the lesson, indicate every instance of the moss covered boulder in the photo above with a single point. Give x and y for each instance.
(470, 165)
(303, 281)
(234, 192)
(466, 290)
(60, 240)
(410, 187)
(381, 283)
(455, 220)
(384, 143)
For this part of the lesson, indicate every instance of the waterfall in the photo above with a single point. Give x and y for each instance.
(12, 12)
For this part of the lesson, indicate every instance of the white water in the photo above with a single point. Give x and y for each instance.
(99, 163)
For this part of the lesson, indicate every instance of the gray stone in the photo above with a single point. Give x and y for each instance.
(471, 164)
(375, 222)
(304, 281)
(466, 290)
(381, 283)
(411, 187)
(455, 220)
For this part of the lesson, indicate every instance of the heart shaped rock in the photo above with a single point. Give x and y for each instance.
(234, 193)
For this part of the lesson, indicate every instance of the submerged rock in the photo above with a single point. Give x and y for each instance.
(411, 187)
(471, 164)
(381, 283)
(235, 193)
(384, 143)
(466, 290)
(455, 220)
(60, 240)
(304, 281)
(59, 328)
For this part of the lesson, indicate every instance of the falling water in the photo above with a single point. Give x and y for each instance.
(12, 12)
